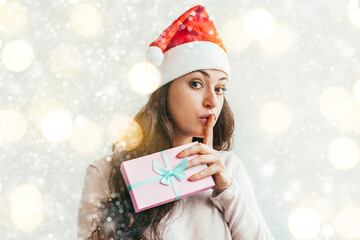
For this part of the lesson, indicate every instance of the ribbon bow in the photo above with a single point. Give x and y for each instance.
(167, 173)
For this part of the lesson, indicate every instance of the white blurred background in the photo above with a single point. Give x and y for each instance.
(72, 72)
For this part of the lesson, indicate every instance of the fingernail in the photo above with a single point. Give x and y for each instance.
(180, 154)
(191, 178)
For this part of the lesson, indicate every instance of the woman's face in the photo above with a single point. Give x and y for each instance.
(193, 97)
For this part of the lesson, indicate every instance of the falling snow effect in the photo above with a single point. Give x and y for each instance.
(64, 79)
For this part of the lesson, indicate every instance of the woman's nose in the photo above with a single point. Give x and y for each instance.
(210, 99)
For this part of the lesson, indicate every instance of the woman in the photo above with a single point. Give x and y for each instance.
(189, 105)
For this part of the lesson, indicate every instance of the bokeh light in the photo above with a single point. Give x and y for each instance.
(125, 133)
(258, 24)
(86, 20)
(144, 78)
(320, 204)
(275, 117)
(279, 42)
(234, 36)
(56, 126)
(65, 61)
(335, 103)
(17, 55)
(268, 169)
(353, 12)
(351, 121)
(87, 136)
(26, 207)
(12, 17)
(40, 106)
(304, 223)
(343, 153)
(347, 223)
(12, 125)
(327, 231)
(356, 90)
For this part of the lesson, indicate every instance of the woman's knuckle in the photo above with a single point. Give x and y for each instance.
(213, 169)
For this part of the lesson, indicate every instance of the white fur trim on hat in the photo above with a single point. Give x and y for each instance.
(192, 56)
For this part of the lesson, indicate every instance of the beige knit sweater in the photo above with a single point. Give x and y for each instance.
(230, 214)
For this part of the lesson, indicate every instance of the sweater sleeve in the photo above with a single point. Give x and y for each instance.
(94, 191)
(239, 206)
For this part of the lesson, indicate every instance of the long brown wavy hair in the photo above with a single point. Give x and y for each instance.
(119, 218)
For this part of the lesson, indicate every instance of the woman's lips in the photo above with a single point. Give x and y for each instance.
(205, 118)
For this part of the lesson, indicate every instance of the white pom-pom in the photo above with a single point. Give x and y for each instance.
(154, 55)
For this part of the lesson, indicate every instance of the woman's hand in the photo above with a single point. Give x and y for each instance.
(216, 167)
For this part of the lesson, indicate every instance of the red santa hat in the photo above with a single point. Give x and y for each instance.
(190, 43)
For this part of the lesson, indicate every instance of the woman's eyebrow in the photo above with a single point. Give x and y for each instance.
(203, 73)
(207, 75)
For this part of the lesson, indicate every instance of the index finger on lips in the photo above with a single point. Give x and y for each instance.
(197, 148)
(208, 135)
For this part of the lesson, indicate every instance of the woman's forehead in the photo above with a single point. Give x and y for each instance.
(209, 73)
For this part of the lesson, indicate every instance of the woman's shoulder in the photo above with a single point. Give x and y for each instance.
(233, 163)
(102, 164)
(230, 157)
(100, 168)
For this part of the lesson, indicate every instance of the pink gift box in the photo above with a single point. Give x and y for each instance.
(147, 177)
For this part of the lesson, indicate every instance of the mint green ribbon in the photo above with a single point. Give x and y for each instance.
(166, 174)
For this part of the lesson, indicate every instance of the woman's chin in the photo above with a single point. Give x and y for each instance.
(197, 132)
(198, 135)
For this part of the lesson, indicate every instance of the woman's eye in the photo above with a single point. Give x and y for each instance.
(221, 90)
(195, 84)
